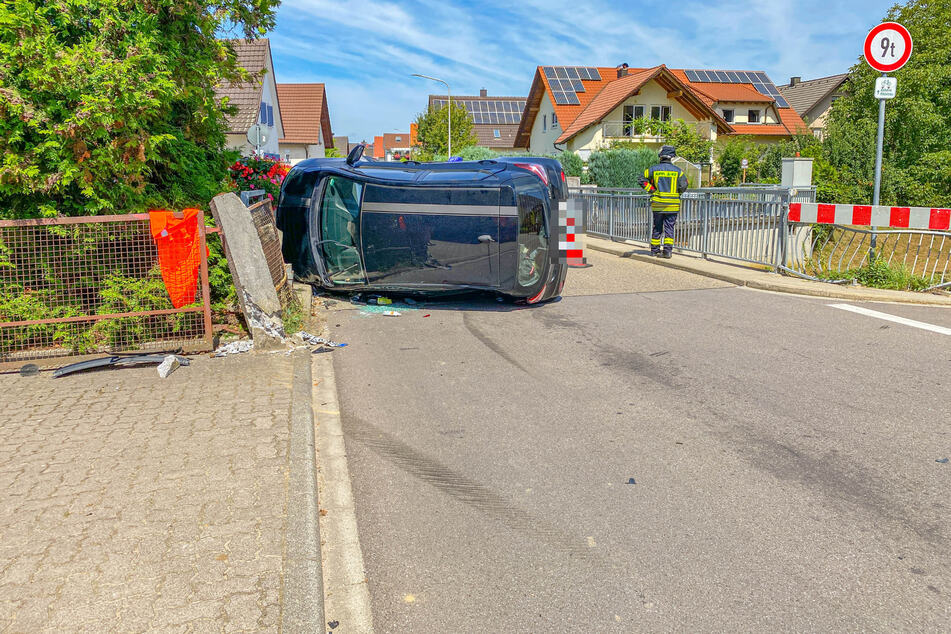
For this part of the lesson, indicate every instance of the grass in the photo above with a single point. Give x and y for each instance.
(293, 317)
(904, 261)
(879, 274)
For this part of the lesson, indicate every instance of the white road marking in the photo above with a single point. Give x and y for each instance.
(941, 330)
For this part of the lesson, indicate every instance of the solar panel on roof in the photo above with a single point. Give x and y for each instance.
(577, 86)
(691, 75)
(782, 103)
(549, 72)
(722, 77)
(572, 72)
(561, 72)
(593, 73)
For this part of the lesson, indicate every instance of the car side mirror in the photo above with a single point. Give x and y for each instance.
(355, 155)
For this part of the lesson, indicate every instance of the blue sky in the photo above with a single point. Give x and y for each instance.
(366, 50)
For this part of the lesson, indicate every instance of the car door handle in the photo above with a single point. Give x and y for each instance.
(486, 238)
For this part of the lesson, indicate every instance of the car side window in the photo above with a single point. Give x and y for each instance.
(340, 230)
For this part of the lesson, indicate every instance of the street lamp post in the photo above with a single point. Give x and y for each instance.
(448, 113)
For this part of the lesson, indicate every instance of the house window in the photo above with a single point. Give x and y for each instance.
(544, 123)
(660, 113)
(554, 120)
(728, 115)
(631, 113)
(399, 139)
(496, 134)
(753, 116)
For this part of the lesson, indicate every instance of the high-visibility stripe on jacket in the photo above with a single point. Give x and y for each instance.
(665, 182)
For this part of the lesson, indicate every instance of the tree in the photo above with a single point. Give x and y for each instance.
(108, 106)
(690, 144)
(917, 161)
(432, 130)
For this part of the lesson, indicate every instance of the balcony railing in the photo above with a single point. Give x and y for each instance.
(627, 130)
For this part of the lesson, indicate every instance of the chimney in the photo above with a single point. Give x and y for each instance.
(794, 80)
(622, 70)
(483, 93)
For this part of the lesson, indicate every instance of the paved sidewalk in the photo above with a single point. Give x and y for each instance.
(136, 504)
(748, 275)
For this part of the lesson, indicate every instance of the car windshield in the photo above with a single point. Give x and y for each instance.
(340, 231)
(532, 234)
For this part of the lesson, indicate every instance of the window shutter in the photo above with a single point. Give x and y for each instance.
(263, 117)
(270, 115)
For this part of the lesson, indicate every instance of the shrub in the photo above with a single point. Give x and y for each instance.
(571, 163)
(477, 153)
(620, 168)
(252, 172)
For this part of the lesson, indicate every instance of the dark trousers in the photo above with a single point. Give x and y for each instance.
(663, 230)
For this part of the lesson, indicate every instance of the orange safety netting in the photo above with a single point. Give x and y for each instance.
(178, 243)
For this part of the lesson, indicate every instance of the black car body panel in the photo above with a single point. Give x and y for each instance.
(425, 227)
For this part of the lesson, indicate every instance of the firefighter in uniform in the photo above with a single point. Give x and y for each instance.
(665, 182)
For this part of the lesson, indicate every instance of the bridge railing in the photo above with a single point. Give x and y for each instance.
(753, 224)
(736, 223)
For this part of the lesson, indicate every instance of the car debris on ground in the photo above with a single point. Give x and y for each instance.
(169, 365)
(118, 360)
(235, 347)
(314, 340)
(30, 369)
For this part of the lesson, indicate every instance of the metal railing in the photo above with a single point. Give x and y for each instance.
(741, 224)
(628, 130)
(750, 224)
(84, 286)
(902, 258)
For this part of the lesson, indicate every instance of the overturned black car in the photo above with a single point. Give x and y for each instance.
(359, 225)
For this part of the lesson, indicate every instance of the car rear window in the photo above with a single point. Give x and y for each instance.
(532, 233)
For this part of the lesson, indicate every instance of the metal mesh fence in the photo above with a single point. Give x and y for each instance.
(82, 286)
(262, 215)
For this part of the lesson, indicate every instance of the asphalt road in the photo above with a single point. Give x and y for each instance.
(656, 451)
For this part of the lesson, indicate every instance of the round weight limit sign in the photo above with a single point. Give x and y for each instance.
(888, 47)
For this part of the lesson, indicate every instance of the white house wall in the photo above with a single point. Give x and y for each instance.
(741, 112)
(275, 132)
(293, 153)
(543, 134)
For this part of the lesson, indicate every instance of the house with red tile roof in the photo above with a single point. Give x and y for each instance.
(813, 99)
(583, 109)
(306, 120)
(256, 100)
(495, 120)
(390, 145)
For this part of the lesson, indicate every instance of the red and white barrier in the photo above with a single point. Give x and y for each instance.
(570, 244)
(867, 215)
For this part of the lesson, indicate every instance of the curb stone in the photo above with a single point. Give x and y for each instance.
(762, 280)
(303, 606)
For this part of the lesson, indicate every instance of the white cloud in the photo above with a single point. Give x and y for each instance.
(365, 50)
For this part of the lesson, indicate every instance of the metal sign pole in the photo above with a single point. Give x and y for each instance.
(876, 195)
